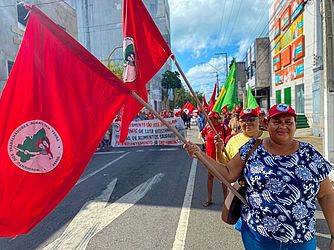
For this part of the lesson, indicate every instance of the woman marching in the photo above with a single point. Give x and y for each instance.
(284, 178)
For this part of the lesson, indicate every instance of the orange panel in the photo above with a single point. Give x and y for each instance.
(277, 28)
(298, 48)
(286, 56)
(285, 18)
(277, 62)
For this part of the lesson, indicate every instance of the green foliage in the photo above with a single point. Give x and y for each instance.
(116, 68)
(171, 80)
(182, 96)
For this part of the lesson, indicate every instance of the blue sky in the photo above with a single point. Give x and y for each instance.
(200, 28)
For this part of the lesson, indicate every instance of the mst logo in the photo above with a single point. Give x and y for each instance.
(129, 73)
(35, 147)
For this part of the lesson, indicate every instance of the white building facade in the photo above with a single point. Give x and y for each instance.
(297, 67)
(12, 25)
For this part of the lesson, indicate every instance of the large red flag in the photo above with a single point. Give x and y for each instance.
(55, 108)
(145, 52)
(213, 97)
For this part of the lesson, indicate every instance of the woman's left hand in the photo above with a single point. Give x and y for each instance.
(191, 149)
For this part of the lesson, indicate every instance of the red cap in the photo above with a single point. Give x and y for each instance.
(237, 109)
(224, 109)
(214, 114)
(248, 112)
(279, 109)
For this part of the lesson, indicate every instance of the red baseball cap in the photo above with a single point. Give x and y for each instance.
(224, 109)
(279, 109)
(214, 114)
(237, 109)
(248, 112)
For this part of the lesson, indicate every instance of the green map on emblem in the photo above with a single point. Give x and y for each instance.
(31, 146)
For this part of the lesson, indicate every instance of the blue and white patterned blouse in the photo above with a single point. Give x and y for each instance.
(281, 191)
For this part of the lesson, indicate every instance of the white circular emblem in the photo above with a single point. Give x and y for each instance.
(186, 111)
(282, 107)
(247, 111)
(35, 147)
(129, 73)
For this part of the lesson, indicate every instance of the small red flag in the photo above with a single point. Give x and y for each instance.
(188, 108)
(145, 52)
(213, 98)
(205, 105)
(55, 108)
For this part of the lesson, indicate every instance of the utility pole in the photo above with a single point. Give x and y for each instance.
(217, 76)
(328, 46)
(224, 53)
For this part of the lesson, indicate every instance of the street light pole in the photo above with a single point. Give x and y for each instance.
(217, 75)
(112, 52)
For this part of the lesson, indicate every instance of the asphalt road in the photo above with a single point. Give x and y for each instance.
(139, 198)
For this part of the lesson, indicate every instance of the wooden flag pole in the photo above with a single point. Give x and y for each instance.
(200, 105)
(181, 138)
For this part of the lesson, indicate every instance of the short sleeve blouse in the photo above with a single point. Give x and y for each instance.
(281, 191)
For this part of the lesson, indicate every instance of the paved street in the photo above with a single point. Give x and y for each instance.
(135, 198)
(140, 198)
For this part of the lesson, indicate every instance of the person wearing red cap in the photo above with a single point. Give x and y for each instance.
(249, 122)
(284, 179)
(207, 136)
(263, 120)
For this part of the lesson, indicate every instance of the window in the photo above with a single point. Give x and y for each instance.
(278, 97)
(287, 96)
(300, 100)
(9, 66)
(22, 13)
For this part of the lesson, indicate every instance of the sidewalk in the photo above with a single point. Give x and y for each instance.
(304, 134)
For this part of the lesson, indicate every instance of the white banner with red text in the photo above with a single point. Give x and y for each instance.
(149, 133)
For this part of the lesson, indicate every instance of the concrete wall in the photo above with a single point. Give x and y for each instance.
(11, 32)
(10, 38)
(241, 80)
(263, 71)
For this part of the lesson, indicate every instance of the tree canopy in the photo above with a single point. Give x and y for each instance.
(171, 80)
(182, 96)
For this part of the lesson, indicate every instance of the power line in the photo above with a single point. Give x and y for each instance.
(221, 21)
(228, 21)
(271, 19)
(236, 23)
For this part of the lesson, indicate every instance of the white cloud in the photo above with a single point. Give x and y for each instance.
(202, 77)
(200, 25)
